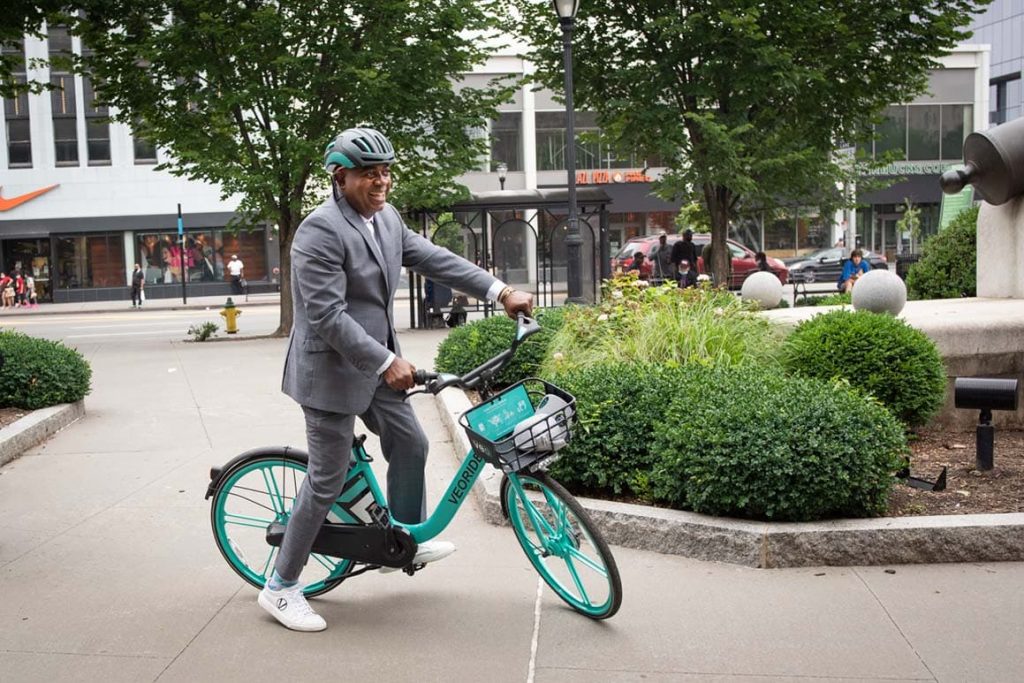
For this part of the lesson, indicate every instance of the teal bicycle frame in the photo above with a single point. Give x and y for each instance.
(446, 509)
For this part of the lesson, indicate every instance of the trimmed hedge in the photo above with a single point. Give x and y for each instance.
(948, 265)
(877, 353)
(617, 406)
(38, 373)
(746, 443)
(469, 345)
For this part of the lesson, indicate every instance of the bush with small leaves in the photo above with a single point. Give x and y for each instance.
(743, 442)
(471, 344)
(38, 373)
(948, 265)
(874, 352)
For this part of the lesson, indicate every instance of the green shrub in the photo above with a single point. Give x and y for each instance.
(745, 442)
(203, 331)
(469, 345)
(837, 299)
(947, 269)
(38, 373)
(617, 407)
(664, 326)
(876, 353)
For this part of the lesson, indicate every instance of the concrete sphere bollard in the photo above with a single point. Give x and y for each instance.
(764, 288)
(879, 291)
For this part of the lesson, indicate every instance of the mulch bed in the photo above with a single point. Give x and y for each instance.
(9, 415)
(968, 491)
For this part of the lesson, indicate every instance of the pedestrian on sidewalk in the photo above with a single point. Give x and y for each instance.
(235, 268)
(31, 298)
(6, 290)
(138, 282)
(344, 359)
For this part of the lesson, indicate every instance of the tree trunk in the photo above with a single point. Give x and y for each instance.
(718, 201)
(286, 231)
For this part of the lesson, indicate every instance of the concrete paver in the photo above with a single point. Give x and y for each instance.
(109, 571)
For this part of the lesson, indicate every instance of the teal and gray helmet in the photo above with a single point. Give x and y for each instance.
(358, 148)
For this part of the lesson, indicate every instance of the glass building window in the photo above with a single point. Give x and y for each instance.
(62, 98)
(956, 125)
(97, 128)
(923, 128)
(507, 141)
(19, 136)
(892, 132)
(592, 151)
(145, 151)
(85, 261)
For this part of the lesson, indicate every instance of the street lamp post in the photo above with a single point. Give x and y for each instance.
(566, 10)
(502, 169)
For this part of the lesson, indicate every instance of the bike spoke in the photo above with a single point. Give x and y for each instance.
(272, 491)
(244, 520)
(576, 580)
(269, 563)
(585, 559)
(325, 561)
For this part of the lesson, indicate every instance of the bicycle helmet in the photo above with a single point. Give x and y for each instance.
(358, 148)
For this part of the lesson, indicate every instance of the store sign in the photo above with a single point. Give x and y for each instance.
(8, 203)
(605, 177)
(911, 168)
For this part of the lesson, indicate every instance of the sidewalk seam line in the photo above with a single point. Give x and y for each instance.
(198, 633)
(892, 620)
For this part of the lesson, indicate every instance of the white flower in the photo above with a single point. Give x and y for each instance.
(601, 318)
(558, 355)
(617, 294)
(719, 311)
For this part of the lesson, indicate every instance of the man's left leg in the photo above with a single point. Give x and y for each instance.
(405, 447)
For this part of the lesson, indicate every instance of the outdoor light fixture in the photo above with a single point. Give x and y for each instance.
(502, 169)
(566, 11)
(985, 394)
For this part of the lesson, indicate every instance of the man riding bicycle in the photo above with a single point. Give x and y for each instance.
(343, 355)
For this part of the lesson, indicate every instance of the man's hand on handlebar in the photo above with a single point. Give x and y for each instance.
(518, 302)
(400, 375)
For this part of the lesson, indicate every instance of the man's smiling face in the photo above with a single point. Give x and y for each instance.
(365, 189)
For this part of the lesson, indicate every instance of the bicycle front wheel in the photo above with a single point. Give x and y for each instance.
(562, 544)
(255, 493)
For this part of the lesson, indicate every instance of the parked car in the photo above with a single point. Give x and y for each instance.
(825, 265)
(743, 263)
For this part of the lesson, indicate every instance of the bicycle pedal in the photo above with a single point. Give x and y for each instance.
(413, 568)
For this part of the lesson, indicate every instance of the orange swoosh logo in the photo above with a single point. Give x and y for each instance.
(8, 204)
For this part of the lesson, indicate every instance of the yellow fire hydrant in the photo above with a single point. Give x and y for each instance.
(231, 313)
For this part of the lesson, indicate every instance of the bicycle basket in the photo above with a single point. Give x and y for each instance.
(526, 423)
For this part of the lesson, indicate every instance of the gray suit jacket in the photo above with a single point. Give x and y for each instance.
(343, 290)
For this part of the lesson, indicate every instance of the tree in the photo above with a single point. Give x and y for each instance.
(744, 100)
(247, 94)
(21, 18)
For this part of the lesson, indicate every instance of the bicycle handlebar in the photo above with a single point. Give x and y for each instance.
(436, 382)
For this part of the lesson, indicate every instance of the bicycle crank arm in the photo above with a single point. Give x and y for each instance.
(388, 547)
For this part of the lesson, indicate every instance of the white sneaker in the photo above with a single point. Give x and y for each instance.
(289, 606)
(427, 551)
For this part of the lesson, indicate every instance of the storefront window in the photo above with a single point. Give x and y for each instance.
(924, 133)
(160, 256)
(780, 237)
(892, 132)
(90, 261)
(30, 255)
(250, 248)
(506, 141)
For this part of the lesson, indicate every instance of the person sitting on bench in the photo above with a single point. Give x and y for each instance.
(852, 270)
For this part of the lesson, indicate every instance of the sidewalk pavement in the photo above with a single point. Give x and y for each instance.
(109, 572)
(174, 304)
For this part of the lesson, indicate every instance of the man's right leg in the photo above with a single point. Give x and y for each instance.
(329, 437)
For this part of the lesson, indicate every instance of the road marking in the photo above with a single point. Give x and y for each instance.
(117, 334)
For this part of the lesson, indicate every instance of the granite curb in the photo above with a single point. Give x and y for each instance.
(845, 542)
(36, 427)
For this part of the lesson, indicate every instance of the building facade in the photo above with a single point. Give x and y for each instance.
(81, 201)
(1001, 25)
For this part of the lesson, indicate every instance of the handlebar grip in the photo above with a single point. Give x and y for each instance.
(423, 376)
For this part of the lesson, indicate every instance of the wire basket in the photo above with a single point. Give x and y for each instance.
(523, 425)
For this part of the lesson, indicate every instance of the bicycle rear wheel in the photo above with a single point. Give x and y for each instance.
(562, 544)
(256, 492)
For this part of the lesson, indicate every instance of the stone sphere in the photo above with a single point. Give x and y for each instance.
(764, 288)
(879, 291)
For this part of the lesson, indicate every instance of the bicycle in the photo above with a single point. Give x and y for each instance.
(519, 431)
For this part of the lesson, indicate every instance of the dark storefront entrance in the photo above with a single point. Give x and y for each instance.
(29, 255)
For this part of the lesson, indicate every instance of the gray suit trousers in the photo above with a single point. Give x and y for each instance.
(329, 439)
